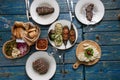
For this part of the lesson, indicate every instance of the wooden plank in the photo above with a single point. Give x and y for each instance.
(71, 74)
(104, 38)
(103, 26)
(111, 53)
(111, 14)
(12, 73)
(19, 73)
(105, 70)
(14, 7)
(7, 21)
(111, 4)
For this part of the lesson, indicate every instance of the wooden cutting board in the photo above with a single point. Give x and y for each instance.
(80, 48)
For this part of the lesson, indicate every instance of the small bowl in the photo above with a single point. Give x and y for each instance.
(42, 44)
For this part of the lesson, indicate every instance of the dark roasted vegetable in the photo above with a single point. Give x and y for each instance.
(44, 10)
(89, 12)
(72, 35)
(65, 35)
(51, 35)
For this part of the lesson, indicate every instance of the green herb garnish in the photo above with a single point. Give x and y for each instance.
(89, 52)
(9, 47)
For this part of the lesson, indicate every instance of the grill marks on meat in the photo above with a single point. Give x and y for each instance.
(89, 12)
(44, 10)
(41, 66)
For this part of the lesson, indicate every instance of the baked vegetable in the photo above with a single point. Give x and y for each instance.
(58, 28)
(72, 35)
(58, 40)
(51, 35)
(65, 35)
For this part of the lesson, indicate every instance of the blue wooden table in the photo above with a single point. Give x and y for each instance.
(106, 34)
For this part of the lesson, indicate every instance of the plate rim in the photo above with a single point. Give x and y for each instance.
(38, 53)
(40, 22)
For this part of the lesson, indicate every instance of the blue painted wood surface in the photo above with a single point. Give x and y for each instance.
(106, 33)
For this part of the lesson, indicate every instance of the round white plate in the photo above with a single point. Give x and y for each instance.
(33, 74)
(63, 22)
(98, 11)
(44, 19)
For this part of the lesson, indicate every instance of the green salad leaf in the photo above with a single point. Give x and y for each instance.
(89, 52)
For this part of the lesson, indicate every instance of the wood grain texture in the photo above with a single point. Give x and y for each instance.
(7, 21)
(110, 53)
(103, 26)
(13, 73)
(104, 38)
(106, 33)
(18, 7)
(19, 73)
(104, 70)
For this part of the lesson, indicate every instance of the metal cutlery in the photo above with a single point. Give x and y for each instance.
(27, 2)
(70, 9)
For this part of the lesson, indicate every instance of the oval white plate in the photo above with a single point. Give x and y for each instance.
(98, 11)
(63, 22)
(33, 74)
(46, 19)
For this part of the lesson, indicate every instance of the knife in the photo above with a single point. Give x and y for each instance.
(70, 2)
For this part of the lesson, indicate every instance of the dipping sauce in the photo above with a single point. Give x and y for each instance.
(42, 44)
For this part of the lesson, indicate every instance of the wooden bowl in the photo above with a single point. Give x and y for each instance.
(10, 57)
(20, 30)
(80, 48)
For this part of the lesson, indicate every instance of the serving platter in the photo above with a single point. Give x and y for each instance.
(44, 19)
(98, 11)
(64, 23)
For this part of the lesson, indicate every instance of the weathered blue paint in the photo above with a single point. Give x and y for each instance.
(106, 33)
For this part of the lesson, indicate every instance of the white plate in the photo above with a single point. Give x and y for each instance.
(46, 19)
(98, 11)
(63, 22)
(33, 74)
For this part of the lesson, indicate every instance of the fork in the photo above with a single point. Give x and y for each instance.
(71, 11)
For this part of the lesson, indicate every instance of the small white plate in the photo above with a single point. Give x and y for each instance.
(33, 74)
(63, 22)
(46, 19)
(98, 11)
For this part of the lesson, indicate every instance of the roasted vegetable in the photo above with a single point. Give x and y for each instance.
(89, 12)
(65, 35)
(72, 35)
(51, 35)
(58, 40)
(58, 28)
(44, 10)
